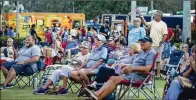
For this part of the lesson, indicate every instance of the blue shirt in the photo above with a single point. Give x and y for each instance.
(72, 44)
(27, 53)
(144, 58)
(135, 34)
(10, 33)
(96, 55)
(127, 59)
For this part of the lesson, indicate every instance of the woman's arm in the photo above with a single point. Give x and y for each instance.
(186, 73)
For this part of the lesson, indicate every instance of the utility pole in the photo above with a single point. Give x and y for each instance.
(17, 17)
(73, 6)
(1, 14)
(186, 20)
(152, 10)
(133, 13)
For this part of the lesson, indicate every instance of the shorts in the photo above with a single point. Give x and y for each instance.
(24, 70)
(158, 50)
(66, 71)
(133, 77)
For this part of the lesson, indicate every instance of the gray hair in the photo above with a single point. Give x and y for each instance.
(10, 39)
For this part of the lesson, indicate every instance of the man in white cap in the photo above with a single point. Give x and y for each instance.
(95, 60)
(65, 72)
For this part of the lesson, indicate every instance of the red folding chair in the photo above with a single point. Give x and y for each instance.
(141, 86)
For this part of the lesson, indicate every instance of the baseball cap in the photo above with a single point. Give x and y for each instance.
(146, 39)
(101, 37)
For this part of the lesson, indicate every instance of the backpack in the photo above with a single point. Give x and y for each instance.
(40, 64)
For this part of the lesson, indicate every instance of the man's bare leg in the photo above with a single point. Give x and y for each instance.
(48, 83)
(11, 75)
(84, 76)
(64, 82)
(76, 77)
(109, 87)
(5, 71)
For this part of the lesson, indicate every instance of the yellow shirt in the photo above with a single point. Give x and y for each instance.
(157, 31)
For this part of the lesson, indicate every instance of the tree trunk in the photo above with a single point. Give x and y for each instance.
(1, 14)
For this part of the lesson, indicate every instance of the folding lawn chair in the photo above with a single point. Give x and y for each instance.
(71, 82)
(29, 82)
(174, 61)
(140, 86)
(47, 73)
(58, 58)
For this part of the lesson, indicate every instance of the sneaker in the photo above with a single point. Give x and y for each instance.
(62, 91)
(9, 85)
(91, 87)
(2, 87)
(41, 91)
(83, 93)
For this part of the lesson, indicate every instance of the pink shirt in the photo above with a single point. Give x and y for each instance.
(48, 37)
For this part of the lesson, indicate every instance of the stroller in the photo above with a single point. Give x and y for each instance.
(171, 69)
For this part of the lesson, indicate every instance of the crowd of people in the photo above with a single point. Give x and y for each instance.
(100, 54)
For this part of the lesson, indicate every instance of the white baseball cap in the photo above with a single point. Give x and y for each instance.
(101, 37)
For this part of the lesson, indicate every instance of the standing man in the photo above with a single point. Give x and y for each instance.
(158, 33)
(178, 34)
(33, 33)
(105, 29)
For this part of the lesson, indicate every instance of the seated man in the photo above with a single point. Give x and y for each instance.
(95, 61)
(7, 53)
(64, 72)
(105, 72)
(25, 62)
(141, 63)
(176, 88)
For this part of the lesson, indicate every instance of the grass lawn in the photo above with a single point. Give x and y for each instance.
(16, 93)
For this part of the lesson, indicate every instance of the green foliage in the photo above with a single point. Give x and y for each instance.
(177, 45)
(94, 8)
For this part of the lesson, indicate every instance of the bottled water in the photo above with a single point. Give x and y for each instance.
(35, 84)
(172, 72)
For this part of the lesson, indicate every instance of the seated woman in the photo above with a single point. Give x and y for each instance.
(58, 46)
(7, 53)
(66, 70)
(176, 88)
(94, 63)
(105, 72)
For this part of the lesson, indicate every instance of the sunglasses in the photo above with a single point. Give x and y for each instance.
(9, 41)
(136, 21)
(82, 47)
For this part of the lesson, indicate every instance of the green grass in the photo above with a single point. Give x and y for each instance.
(16, 93)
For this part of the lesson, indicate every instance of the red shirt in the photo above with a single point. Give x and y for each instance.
(48, 37)
(170, 33)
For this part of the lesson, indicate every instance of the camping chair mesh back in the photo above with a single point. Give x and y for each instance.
(174, 61)
(126, 85)
(47, 73)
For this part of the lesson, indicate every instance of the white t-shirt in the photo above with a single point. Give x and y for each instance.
(157, 31)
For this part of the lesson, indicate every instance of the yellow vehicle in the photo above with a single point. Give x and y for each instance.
(43, 20)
